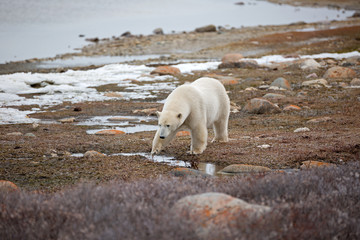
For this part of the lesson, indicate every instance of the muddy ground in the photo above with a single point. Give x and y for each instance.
(44, 161)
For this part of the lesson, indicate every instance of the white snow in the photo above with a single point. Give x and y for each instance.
(78, 86)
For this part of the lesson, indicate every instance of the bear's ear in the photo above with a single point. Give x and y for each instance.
(179, 116)
(158, 114)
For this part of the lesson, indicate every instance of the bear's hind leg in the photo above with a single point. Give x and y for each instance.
(221, 131)
(198, 140)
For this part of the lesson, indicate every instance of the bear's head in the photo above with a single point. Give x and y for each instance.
(169, 122)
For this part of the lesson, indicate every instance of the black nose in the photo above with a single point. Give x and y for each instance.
(162, 137)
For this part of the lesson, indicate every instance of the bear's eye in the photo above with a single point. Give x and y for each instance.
(167, 125)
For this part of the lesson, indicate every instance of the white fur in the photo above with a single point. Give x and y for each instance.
(195, 107)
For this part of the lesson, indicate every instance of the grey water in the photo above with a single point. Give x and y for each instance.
(43, 28)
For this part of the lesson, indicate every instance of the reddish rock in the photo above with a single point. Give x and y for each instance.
(166, 70)
(314, 164)
(340, 72)
(183, 133)
(109, 132)
(210, 213)
(225, 80)
(231, 58)
(7, 186)
(260, 106)
(292, 108)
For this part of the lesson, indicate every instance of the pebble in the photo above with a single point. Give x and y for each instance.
(148, 111)
(158, 31)
(292, 108)
(264, 146)
(109, 132)
(14, 134)
(251, 89)
(251, 64)
(67, 120)
(92, 153)
(183, 133)
(316, 83)
(309, 64)
(319, 120)
(113, 95)
(210, 213)
(260, 106)
(166, 70)
(29, 135)
(231, 58)
(274, 96)
(312, 75)
(281, 83)
(314, 164)
(304, 129)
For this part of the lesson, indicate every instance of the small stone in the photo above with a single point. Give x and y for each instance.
(309, 64)
(231, 58)
(35, 126)
(208, 28)
(304, 129)
(67, 120)
(264, 87)
(29, 135)
(250, 64)
(126, 34)
(92, 154)
(319, 120)
(166, 70)
(292, 108)
(183, 133)
(245, 168)
(14, 134)
(312, 75)
(313, 164)
(264, 146)
(234, 108)
(317, 82)
(158, 31)
(110, 132)
(251, 89)
(260, 106)
(355, 82)
(77, 109)
(281, 83)
(339, 72)
(7, 186)
(113, 95)
(274, 96)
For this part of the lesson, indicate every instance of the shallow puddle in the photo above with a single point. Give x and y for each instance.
(208, 168)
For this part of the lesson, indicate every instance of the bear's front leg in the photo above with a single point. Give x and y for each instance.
(198, 140)
(159, 144)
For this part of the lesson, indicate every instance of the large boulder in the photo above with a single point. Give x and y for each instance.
(339, 72)
(212, 213)
(261, 106)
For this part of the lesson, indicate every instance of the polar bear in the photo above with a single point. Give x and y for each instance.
(195, 107)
